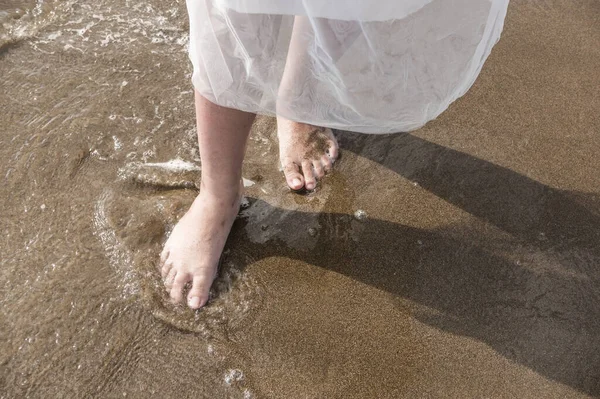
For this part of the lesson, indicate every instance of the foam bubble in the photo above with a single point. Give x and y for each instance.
(175, 165)
(360, 214)
(233, 375)
(175, 173)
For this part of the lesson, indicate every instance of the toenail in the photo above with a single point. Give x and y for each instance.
(296, 182)
(194, 302)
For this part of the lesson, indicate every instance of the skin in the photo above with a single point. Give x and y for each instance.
(192, 252)
(306, 152)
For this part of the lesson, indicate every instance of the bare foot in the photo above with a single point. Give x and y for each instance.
(306, 152)
(192, 252)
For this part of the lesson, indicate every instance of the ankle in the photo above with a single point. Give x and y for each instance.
(225, 193)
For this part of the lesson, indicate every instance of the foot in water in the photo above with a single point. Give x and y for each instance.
(306, 152)
(192, 252)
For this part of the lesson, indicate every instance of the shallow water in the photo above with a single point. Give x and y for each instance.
(459, 261)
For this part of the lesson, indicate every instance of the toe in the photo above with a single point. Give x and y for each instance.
(332, 149)
(309, 177)
(326, 162)
(293, 175)
(318, 167)
(198, 295)
(177, 289)
(164, 255)
(165, 269)
(170, 279)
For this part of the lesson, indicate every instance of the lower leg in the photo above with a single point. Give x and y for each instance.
(192, 252)
(306, 152)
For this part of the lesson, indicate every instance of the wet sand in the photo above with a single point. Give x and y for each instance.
(460, 260)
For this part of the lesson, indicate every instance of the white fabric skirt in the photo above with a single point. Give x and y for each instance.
(372, 66)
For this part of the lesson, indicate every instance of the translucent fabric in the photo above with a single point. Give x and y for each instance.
(372, 66)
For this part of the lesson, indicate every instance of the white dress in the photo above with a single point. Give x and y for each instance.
(372, 66)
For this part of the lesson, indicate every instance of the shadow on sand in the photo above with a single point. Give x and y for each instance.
(542, 311)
